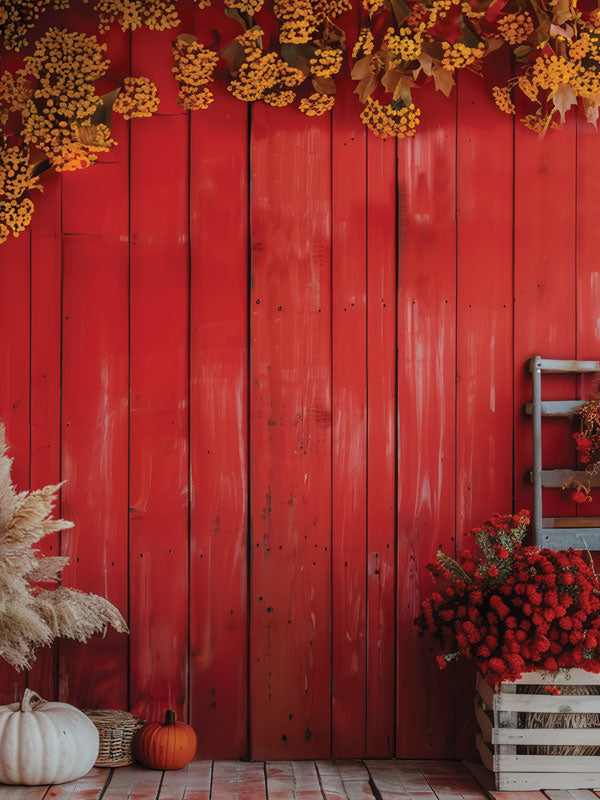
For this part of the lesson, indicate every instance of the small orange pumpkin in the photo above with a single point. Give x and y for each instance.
(170, 745)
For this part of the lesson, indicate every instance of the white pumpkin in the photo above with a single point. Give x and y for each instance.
(43, 742)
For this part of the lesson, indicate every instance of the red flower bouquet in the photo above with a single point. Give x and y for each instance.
(514, 609)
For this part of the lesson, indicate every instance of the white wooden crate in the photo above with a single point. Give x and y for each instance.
(498, 736)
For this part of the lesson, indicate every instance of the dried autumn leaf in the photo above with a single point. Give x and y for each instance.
(390, 79)
(235, 14)
(426, 63)
(366, 87)
(522, 52)
(469, 36)
(444, 81)
(298, 56)
(493, 44)
(187, 38)
(566, 31)
(590, 106)
(233, 55)
(403, 88)
(563, 99)
(562, 10)
(361, 69)
(324, 85)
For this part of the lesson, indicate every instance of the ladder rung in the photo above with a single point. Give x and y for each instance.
(555, 478)
(579, 538)
(557, 408)
(571, 522)
(566, 365)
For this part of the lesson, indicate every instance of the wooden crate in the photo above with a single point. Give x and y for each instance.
(499, 737)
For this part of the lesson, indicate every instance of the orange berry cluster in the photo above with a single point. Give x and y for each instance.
(138, 98)
(16, 181)
(390, 120)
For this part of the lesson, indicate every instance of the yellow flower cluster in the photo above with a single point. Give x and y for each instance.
(365, 43)
(138, 98)
(527, 87)
(158, 15)
(298, 21)
(66, 64)
(327, 62)
(330, 9)
(263, 75)
(581, 47)
(15, 180)
(15, 91)
(203, 3)
(515, 28)
(279, 99)
(538, 122)
(390, 120)
(317, 104)
(251, 7)
(459, 55)
(194, 68)
(549, 72)
(468, 10)
(404, 45)
(373, 6)
(503, 99)
(17, 17)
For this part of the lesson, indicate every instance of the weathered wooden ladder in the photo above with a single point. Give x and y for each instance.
(558, 533)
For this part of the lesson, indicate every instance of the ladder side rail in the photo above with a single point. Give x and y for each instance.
(535, 366)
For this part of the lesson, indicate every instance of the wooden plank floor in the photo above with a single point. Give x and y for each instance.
(284, 780)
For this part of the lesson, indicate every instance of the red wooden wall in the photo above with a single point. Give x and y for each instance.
(278, 363)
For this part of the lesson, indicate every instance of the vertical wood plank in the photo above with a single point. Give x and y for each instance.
(290, 435)
(588, 270)
(159, 363)
(218, 419)
(484, 403)
(15, 387)
(349, 426)
(46, 282)
(545, 175)
(94, 407)
(426, 412)
(381, 445)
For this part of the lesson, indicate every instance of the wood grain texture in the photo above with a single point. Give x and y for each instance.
(290, 402)
(45, 377)
(95, 381)
(381, 445)
(15, 387)
(484, 356)
(349, 428)
(426, 413)
(545, 175)
(159, 346)
(218, 420)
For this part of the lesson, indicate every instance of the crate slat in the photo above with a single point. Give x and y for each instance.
(556, 478)
(528, 781)
(512, 771)
(574, 677)
(548, 704)
(548, 736)
(528, 763)
(578, 538)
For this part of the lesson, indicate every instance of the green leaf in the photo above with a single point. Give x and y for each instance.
(233, 13)
(469, 36)
(522, 52)
(401, 11)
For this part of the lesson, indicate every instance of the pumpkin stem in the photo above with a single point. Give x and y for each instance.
(170, 717)
(31, 701)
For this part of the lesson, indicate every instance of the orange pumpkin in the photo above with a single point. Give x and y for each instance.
(170, 745)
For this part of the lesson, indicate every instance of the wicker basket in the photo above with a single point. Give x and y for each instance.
(116, 729)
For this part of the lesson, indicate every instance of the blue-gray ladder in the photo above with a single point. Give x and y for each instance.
(558, 533)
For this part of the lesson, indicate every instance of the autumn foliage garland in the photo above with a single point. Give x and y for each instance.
(50, 114)
(513, 609)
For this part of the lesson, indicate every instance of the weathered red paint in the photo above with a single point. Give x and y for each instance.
(235, 298)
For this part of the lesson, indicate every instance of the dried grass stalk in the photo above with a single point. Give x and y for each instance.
(30, 615)
(555, 721)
